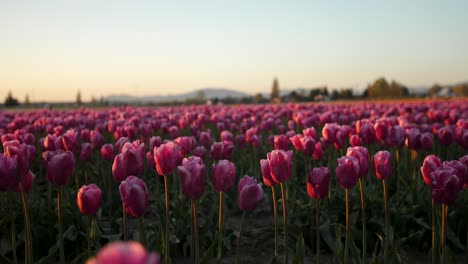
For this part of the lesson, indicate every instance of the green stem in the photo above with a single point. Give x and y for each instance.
(195, 227)
(285, 221)
(347, 227)
(141, 228)
(27, 223)
(434, 258)
(13, 226)
(166, 235)
(220, 229)
(239, 238)
(387, 221)
(317, 226)
(275, 217)
(88, 235)
(59, 213)
(363, 208)
(125, 234)
(444, 224)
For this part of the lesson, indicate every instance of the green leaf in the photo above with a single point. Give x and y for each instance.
(300, 252)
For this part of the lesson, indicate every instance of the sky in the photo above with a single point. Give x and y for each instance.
(50, 50)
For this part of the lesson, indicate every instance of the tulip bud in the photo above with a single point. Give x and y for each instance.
(120, 252)
(362, 154)
(60, 166)
(382, 165)
(129, 162)
(166, 157)
(347, 171)
(222, 150)
(461, 169)
(134, 195)
(355, 141)
(223, 175)
(86, 151)
(281, 142)
(430, 164)
(445, 135)
(318, 181)
(107, 152)
(8, 173)
(249, 193)
(318, 151)
(227, 136)
(265, 168)
(27, 181)
(426, 141)
(464, 160)
(88, 199)
(192, 176)
(280, 162)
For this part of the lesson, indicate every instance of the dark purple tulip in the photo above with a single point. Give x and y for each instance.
(60, 166)
(426, 140)
(8, 173)
(186, 144)
(445, 135)
(97, 140)
(129, 162)
(280, 163)
(85, 135)
(150, 160)
(367, 133)
(226, 136)
(86, 151)
(70, 140)
(430, 164)
(174, 132)
(107, 152)
(347, 171)
(464, 160)
(382, 162)
(27, 181)
(119, 252)
(20, 152)
(205, 139)
(240, 141)
(255, 141)
(249, 193)
(199, 152)
(49, 142)
(167, 157)
(362, 154)
(281, 142)
(222, 150)
(154, 142)
(329, 132)
(412, 141)
(88, 199)
(461, 169)
(134, 195)
(223, 175)
(445, 185)
(397, 136)
(121, 142)
(192, 176)
(318, 181)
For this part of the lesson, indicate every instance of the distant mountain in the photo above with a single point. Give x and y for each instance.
(206, 93)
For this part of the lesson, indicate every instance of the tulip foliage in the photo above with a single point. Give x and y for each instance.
(190, 181)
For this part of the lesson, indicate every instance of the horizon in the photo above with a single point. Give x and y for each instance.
(53, 49)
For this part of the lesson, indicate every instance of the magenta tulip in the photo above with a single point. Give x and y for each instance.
(86, 151)
(129, 162)
(222, 150)
(280, 165)
(318, 181)
(223, 175)
(347, 171)
(8, 174)
(120, 252)
(266, 175)
(167, 157)
(445, 185)
(318, 151)
(362, 154)
(192, 176)
(134, 195)
(464, 160)
(281, 142)
(88, 199)
(249, 193)
(60, 166)
(461, 169)
(382, 162)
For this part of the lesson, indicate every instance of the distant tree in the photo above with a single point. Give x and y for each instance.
(334, 95)
(460, 89)
(10, 101)
(258, 98)
(26, 100)
(275, 92)
(436, 88)
(78, 98)
(382, 89)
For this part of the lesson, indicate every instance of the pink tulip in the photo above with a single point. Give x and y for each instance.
(129, 162)
(362, 154)
(88, 199)
(167, 157)
(280, 163)
(134, 195)
(265, 168)
(281, 142)
(318, 151)
(186, 144)
(382, 162)
(8, 173)
(223, 175)
(347, 171)
(192, 176)
(222, 150)
(120, 252)
(318, 181)
(430, 164)
(107, 152)
(249, 193)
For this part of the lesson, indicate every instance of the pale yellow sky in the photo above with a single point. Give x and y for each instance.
(52, 49)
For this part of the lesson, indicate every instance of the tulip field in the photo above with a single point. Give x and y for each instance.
(338, 182)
